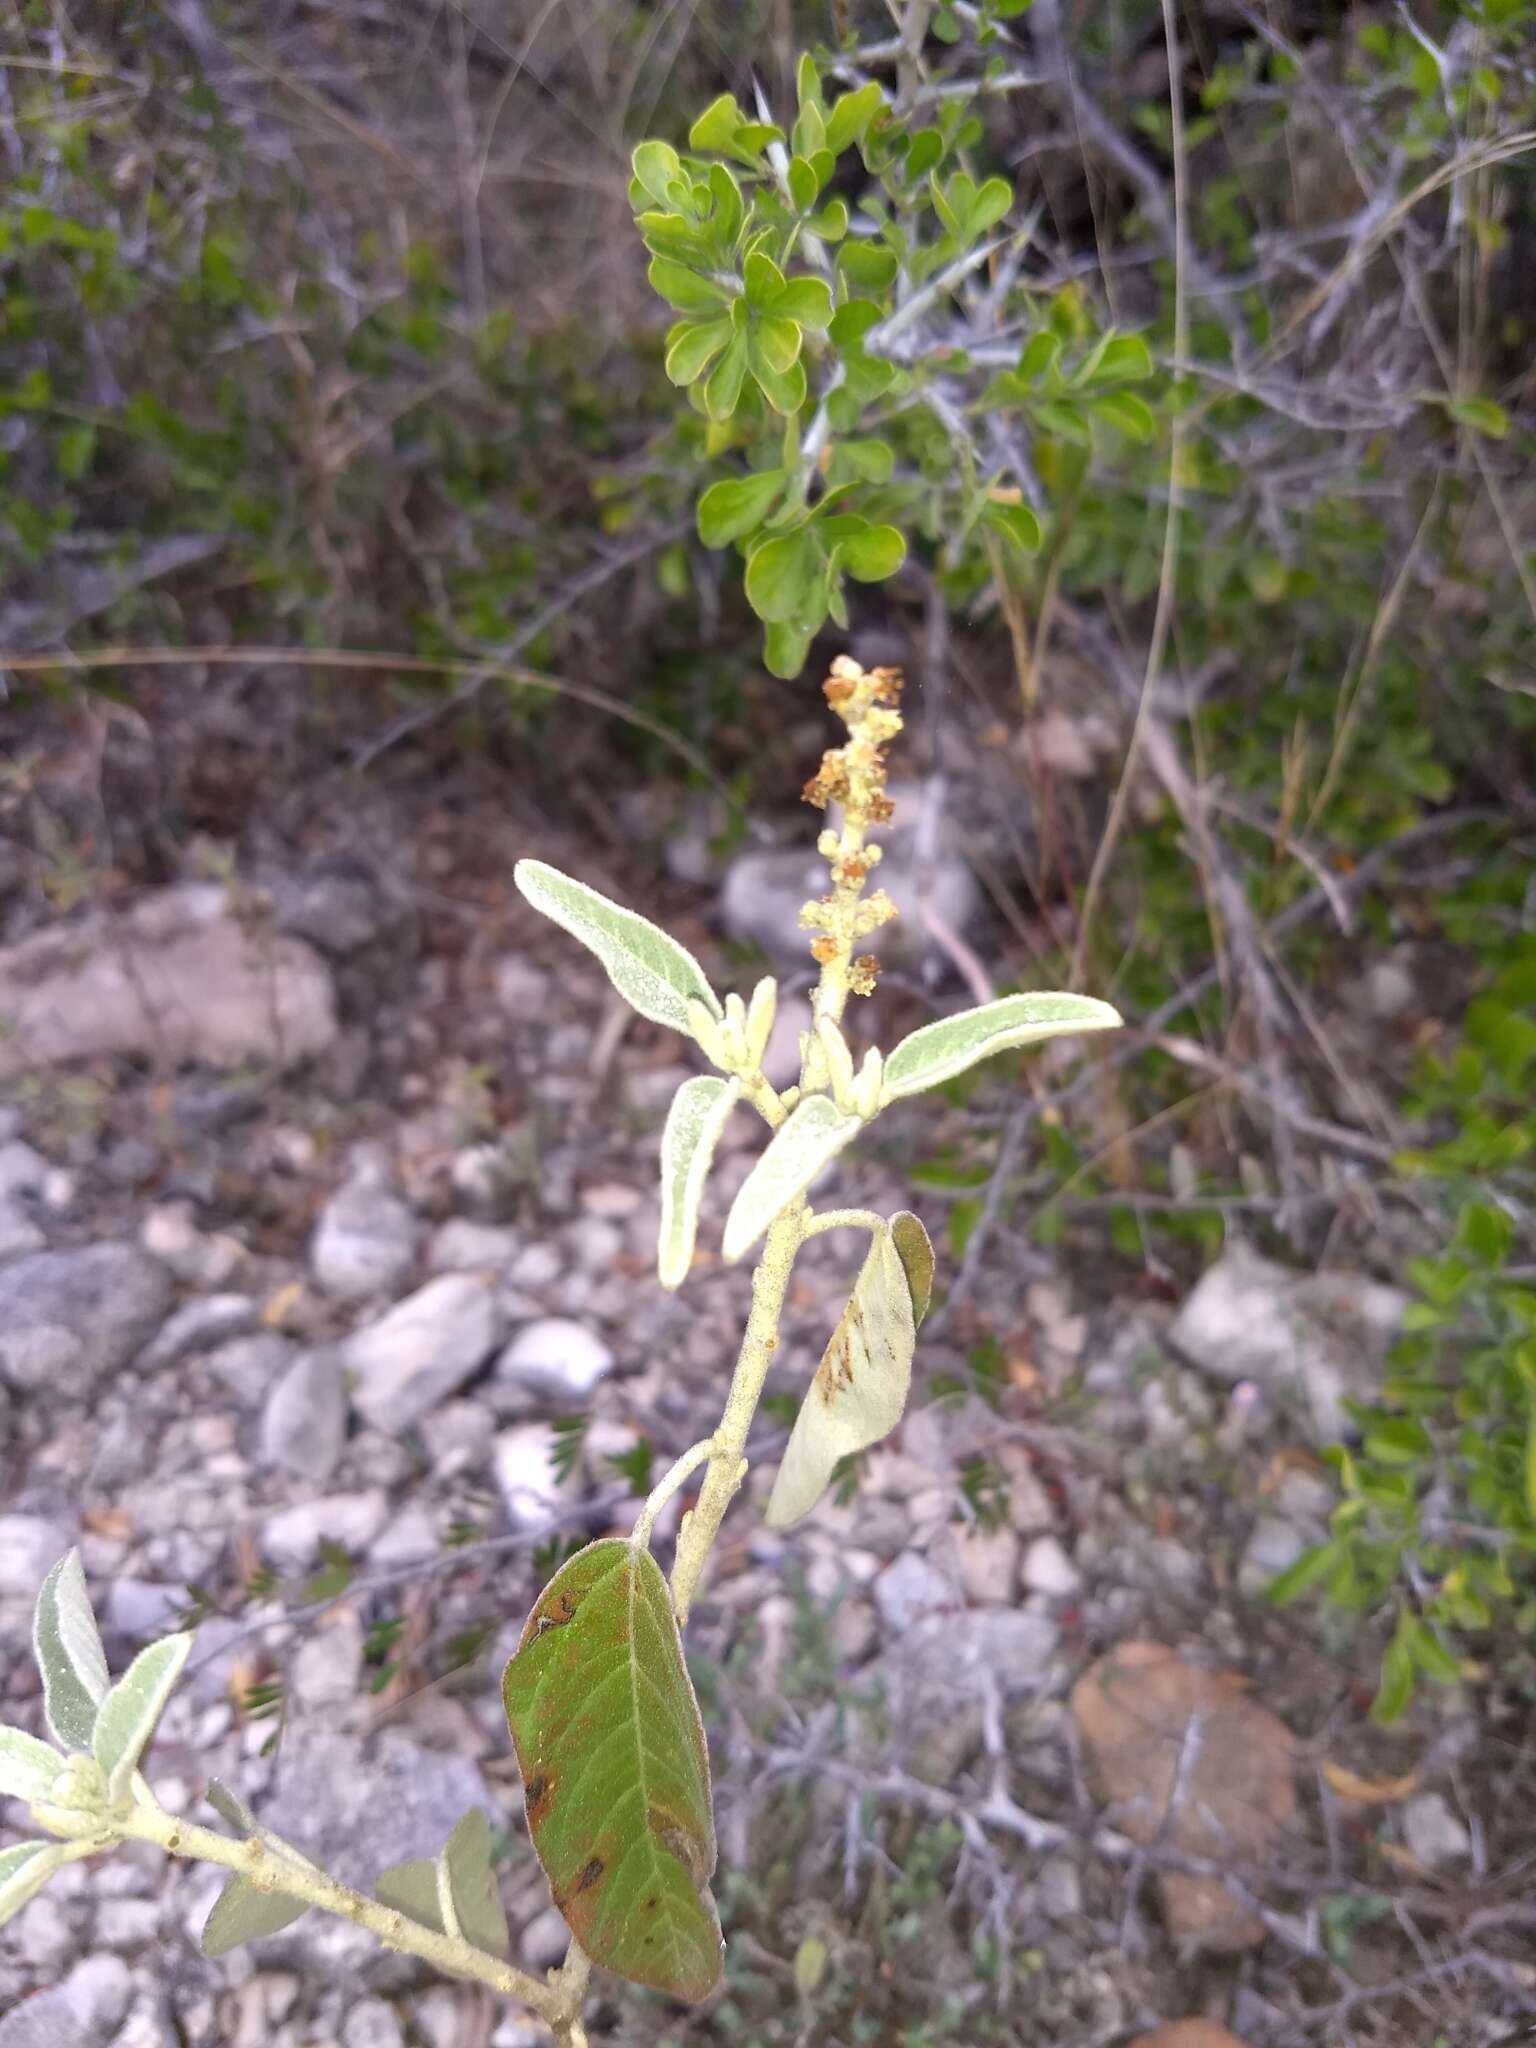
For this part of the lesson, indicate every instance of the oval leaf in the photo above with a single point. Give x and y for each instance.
(27, 1767)
(412, 1888)
(650, 970)
(476, 1896)
(783, 576)
(67, 1646)
(24, 1871)
(656, 165)
(861, 1384)
(940, 1051)
(684, 288)
(694, 1123)
(812, 1135)
(242, 1913)
(873, 555)
(693, 348)
(615, 1770)
(129, 1712)
(915, 1250)
(738, 505)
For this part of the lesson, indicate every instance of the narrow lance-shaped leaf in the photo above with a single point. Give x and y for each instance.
(131, 1709)
(24, 1870)
(861, 1386)
(652, 972)
(940, 1051)
(694, 1123)
(812, 1135)
(67, 1646)
(615, 1770)
(27, 1767)
(241, 1913)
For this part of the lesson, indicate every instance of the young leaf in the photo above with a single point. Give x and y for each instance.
(988, 207)
(412, 1888)
(805, 300)
(1016, 523)
(693, 346)
(738, 505)
(1482, 415)
(653, 973)
(783, 389)
(24, 1870)
(763, 280)
(874, 554)
(694, 1123)
(812, 1135)
(783, 576)
(615, 1770)
(940, 1051)
(242, 1913)
(472, 1881)
(1127, 413)
(723, 390)
(851, 115)
(866, 267)
(129, 1712)
(715, 130)
(1309, 1570)
(27, 1767)
(230, 1808)
(860, 1387)
(778, 342)
(656, 167)
(684, 288)
(67, 1646)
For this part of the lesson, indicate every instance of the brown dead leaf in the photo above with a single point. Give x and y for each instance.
(1188, 2034)
(1404, 1860)
(282, 1304)
(114, 1523)
(1367, 1791)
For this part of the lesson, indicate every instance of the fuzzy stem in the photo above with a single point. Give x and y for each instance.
(676, 1475)
(727, 1461)
(843, 1219)
(266, 1864)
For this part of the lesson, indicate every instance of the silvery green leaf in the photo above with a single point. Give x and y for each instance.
(652, 972)
(940, 1051)
(67, 1646)
(412, 1888)
(129, 1712)
(476, 1898)
(27, 1767)
(24, 1871)
(860, 1387)
(228, 1807)
(814, 1133)
(694, 1123)
(242, 1913)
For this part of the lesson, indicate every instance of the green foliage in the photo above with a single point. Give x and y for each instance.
(1438, 1508)
(798, 346)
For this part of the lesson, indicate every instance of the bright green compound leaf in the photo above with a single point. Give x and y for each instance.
(241, 1913)
(872, 555)
(693, 346)
(129, 1713)
(24, 1870)
(851, 115)
(27, 1767)
(860, 1387)
(650, 970)
(684, 288)
(67, 1646)
(615, 1770)
(657, 167)
(784, 576)
(940, 1051)
(738, 505)
(813, 1134)
(694, 1123)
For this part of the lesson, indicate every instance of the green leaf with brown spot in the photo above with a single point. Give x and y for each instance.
(615, 1770)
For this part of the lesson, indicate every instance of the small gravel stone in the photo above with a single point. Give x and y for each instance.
(909, 1589)
(525, 1473)
(127, 1923)
(304, 1420)
(18, 1233)
(1436, 1836)
(463, 1246)
(1048, 1569)
(373, 2024)
(1274, 1546)
(200, 1325)
(71, 1319)
(30, 1546)
(23, 1171)
(423, 1350)
(989, 1566)
(365, 1242)
(558, 1360)
(42, 1937)
(79, 2013)
(544, 1940)
(142, 1609)
(536, 1265)
(292, 1538)
(249, 1365)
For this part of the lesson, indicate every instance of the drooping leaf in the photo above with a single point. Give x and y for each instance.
(812, 1135)
(129, 1713)
(24, 1870)
(472, 1881)
(27, 1767)
(230, 1808)
(657, 168)
(242, 1913)
(737, 505)
(915, 1250)
(698, 1115)
(615, 1770)
(785, 648)
(67, 1646)
(653, 973)
(860, 1387)
(939, 1051)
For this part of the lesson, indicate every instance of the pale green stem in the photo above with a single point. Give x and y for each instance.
(265, 1864)
(676, 1475)
(842, 1219)
(727, 1460)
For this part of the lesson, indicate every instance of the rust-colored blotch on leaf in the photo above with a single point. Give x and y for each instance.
(616, 1772)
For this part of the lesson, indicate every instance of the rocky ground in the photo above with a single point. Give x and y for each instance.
(342, 1205)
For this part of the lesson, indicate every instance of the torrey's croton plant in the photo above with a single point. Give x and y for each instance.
(603, 1717)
